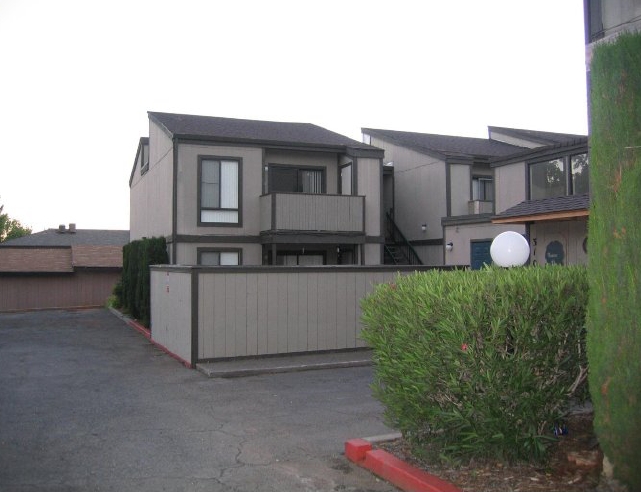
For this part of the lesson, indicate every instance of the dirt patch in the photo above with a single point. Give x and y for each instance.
(574, 465)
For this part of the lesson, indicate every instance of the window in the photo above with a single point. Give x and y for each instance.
(290, 179)
(219, 191)
(218, 257)
(567, 175)
(300, 259)
(580, 175)
(482, 188)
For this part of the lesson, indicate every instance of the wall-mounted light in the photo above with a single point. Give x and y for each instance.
(449, 246)
(423, 227)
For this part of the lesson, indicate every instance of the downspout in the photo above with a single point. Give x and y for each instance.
(174, 202)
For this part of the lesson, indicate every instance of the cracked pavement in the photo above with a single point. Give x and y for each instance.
(86, 403)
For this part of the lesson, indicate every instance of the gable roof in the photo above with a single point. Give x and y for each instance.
(254, 131)
(444, 146)
(54, 251)
(53, 237)
(536, 136)
(556, 208)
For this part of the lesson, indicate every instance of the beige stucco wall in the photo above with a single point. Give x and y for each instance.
(509, 186)
(329, 161)
(460, 185)
(571, 235)
(462, 235)
(369, 182)
(419, 191)
(252, 172)
(150, 195)
(187, 254)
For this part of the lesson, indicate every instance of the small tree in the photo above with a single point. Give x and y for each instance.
(11, 228)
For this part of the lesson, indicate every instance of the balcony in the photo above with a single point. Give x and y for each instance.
(475, 207)
(312, 212)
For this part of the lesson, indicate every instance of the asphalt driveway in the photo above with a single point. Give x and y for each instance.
(87, 403)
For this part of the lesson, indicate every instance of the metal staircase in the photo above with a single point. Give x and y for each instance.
(398, 250)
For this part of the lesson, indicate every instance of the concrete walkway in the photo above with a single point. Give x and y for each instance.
(87, 403)
(292, 363)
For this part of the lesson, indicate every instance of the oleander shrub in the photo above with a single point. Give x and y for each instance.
(614, 320)
(479, 363)
(135, 283)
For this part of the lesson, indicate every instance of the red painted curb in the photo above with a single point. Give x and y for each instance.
(395, 471)
(147, 333)
(139, 328)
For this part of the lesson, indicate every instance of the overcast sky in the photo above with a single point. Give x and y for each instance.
(78, 77)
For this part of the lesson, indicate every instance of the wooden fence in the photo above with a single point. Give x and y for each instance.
(209, 313)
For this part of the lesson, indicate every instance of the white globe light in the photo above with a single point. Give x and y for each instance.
(510, 249)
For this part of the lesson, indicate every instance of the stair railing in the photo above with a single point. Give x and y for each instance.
(399, 240)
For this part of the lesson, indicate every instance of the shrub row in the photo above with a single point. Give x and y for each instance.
(134, 288)
(479, 363)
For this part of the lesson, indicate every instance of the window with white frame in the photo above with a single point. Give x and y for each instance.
(219, 191)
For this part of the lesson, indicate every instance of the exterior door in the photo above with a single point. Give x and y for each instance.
(480, 254)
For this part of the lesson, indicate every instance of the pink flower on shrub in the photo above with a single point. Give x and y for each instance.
(464, 347)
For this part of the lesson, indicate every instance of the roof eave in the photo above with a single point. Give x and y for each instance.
(543, 217)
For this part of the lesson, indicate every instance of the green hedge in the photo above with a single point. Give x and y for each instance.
(614, 321)
(479, 363)
(134, 288)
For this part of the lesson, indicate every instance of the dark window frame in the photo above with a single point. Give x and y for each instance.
(483, 177)
(200, 251)
(301, 252)
(292, 167)
(239, 210)
(567, 173)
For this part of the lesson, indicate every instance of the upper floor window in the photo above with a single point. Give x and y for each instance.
(219, 191)
(567, 175)
(482, 188)
(291, 179)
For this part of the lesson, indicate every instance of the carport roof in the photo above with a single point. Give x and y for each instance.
(546, 209)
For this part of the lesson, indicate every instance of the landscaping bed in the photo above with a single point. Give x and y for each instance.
(574, 464)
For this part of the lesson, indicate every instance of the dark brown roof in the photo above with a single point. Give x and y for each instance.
(53, 237)
(555, 208)
(253, 131)
(542, 138)
(445, 145)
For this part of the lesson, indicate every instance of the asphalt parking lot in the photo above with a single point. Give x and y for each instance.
(87, 403)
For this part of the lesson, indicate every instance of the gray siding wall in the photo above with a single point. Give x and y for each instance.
(261, 310)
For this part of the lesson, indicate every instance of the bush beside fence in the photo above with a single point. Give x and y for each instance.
(134, 288)
(479, 363)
